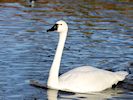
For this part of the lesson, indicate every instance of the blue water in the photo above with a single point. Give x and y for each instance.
(100, 35)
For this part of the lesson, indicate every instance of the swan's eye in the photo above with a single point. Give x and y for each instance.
(60, 24)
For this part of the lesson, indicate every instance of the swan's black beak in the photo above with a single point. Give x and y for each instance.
(54, 28)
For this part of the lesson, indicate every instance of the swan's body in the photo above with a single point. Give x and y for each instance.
(82, 79)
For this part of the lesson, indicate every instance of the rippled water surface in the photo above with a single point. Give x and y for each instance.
(100, 35)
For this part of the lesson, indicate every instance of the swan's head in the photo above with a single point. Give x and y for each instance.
(60, 26)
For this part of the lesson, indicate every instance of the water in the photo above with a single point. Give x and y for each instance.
(100, 35)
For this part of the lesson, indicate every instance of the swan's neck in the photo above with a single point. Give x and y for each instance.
(53, 79)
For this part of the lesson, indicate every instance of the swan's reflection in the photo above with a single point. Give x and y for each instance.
(56, 95)
(52, 94)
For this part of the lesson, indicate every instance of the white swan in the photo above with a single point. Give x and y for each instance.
(84, 79)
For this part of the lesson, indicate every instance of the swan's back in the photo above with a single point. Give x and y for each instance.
(89, 79)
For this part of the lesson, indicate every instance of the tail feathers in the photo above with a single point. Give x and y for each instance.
(121, 75)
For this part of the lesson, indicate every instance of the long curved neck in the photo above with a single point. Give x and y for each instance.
(53, 79)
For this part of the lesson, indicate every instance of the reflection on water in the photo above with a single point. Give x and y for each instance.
(54, 95)
(100, 34)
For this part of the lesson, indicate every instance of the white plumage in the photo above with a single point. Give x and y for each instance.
(89, 79)
(83, 79)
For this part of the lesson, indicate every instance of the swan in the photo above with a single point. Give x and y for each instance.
(83, 79)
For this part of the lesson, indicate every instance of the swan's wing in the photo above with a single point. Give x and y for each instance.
(88, 78)
(87, 73)
(83, 69)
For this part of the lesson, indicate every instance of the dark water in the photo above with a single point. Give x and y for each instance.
(100, 35)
